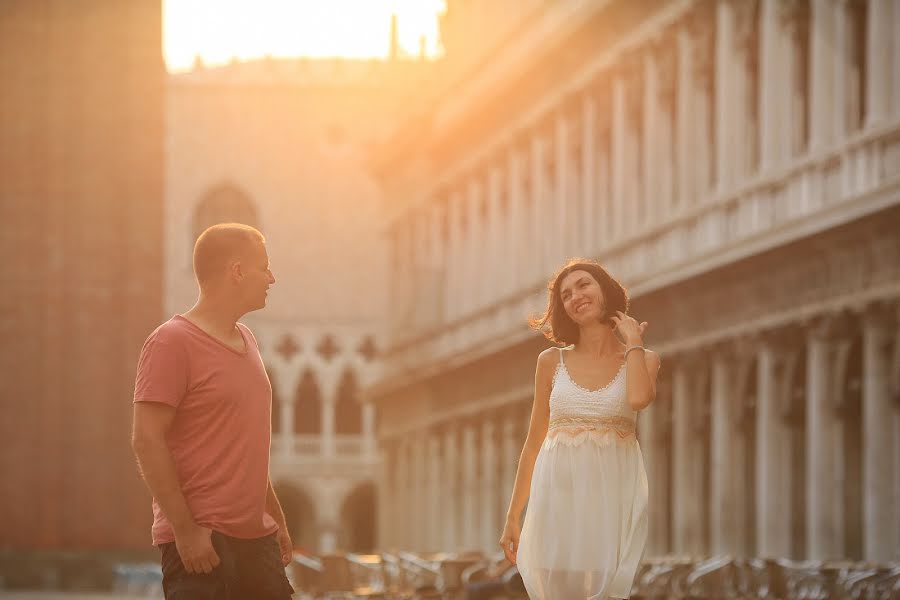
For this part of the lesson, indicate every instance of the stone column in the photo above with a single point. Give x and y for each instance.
(588, 160)
(470, 521)
(727, 74)
(650, 433)
(563, 200)
(880, 37)
(286, 424)
(401, 533)
(685, 121)
(510, 453)
(880, 517)
(515, 224)
(822, 58)
(417, 514)
(650, 140)
(840, 68)
(385, 485)
(687, 501)
(435, 510)
(772, 95)
(328, 407)
(725, 400)
(825, 539)
(773, 473)
(494, 268)
(538, 217)
(474, 246)
(453, 259)
(451, 539)
(490, 503)
(368, 428)
(661, 177)
(703, 63)
(618, 203)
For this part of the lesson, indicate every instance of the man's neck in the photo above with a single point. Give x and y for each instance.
(213, 317)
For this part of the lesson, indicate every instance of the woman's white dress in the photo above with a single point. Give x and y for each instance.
(586, 522)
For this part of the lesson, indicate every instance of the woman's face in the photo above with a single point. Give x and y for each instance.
(582, 297)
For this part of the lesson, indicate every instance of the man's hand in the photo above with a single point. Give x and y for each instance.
(285, 544)
(195, 548)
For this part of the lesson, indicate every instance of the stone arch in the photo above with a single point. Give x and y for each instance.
(224, 203)
(358, 519)
(299, 513)
(348, 410)
(308, 405)
(276, 403)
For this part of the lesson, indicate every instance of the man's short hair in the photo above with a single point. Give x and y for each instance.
(219, 245)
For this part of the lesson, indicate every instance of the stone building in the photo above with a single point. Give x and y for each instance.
(283, 145)
(81, 209)
(737, 165)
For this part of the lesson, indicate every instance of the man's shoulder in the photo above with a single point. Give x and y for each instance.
(175, 329)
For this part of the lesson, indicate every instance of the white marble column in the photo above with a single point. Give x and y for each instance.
(328, 407)
(401, 534)
(880, 514)
(454, 256)
(368, 429)
(773, 472)
(879, 40)
(515, 223)
(687, 486)
(435, 508)
(727, 68)
(725, 397)
(417, 515)
(588, 140)
(840, 69)
(650, 432)
(494, 268)
(703, 63)
(822, 59)
(451, 539)
(490, 527)
(473, 297)
(539, 217)
(385, 486)
(685, 120)
(773, 97)
(618, 202)
(470, 520)
(824, 517)
(510, 461)
(286, 424)
(563, 194)
(651, 142)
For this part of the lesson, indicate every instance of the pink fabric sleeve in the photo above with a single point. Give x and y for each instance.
(162, 372)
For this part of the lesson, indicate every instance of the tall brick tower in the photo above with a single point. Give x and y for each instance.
(81, 163)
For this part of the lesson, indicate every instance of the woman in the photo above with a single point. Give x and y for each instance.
(586, 525)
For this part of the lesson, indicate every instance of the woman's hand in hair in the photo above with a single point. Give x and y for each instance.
(630, 330)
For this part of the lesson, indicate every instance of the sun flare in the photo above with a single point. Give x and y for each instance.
(219, 30)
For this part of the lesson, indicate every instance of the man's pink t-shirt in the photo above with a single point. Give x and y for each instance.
(219, 438)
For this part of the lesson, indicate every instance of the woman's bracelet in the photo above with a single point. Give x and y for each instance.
(641, 348)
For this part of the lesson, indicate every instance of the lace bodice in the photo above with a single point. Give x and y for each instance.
(575, 408)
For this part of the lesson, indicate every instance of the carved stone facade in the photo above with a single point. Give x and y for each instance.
(735, 164)
(282, 145)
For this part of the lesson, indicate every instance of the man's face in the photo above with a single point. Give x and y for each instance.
(257, 276)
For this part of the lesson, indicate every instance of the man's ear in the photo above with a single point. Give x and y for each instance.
(237, 272)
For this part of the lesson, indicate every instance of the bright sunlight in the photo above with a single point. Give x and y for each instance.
(219, 30)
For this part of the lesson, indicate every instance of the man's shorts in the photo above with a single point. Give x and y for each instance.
(247, 569)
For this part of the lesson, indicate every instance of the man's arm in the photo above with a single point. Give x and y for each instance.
(148, 440)
(273, 507)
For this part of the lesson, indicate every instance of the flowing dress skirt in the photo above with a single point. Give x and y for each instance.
(586, 522)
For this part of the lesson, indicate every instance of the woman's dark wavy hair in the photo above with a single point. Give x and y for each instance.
(556, 324)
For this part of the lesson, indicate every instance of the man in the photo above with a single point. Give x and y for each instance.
(202, 426)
